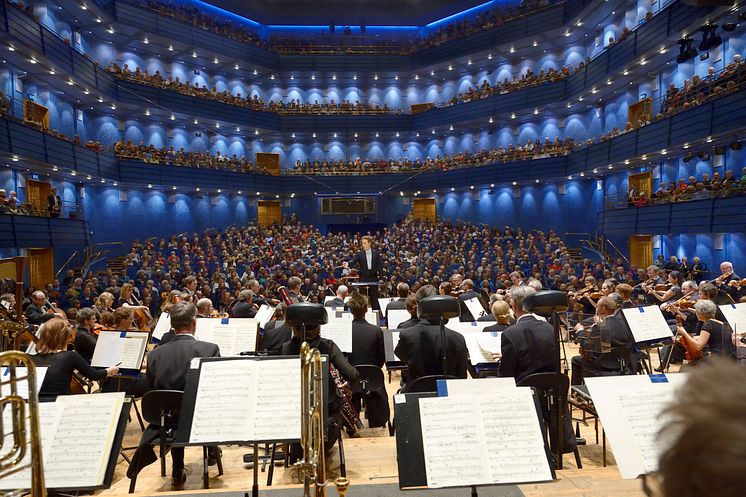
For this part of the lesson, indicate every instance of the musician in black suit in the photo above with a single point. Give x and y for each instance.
(276, 332)
(168, 365)
(723, 282)
(420, 347)
(347, 372)
(244, 308)
(369, 265)
(338, 302)
(38, 311)
(528, 346)
(402, 290)
(468, 286)
(85, 338)
(501, 314)
(411, 304)
(294, 284)
(607, 341)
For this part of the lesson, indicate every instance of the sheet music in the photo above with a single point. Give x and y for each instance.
(735, 314)
(477, 355)
(22, 386)
(384, 303)
(395, 317)
(647, 323)
(247, 400)
(372, 317)
(163, 326)
(475, 308)
(479, 387)
(264, 315)
(483, 440)
(77, 433)
(112, 348)
(232, 337)
(465, 327)
(339, 329)
(491, 342)
(630, 409)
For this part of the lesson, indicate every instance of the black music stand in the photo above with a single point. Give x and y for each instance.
(549, 303)
(442, 307)
(367, 285)
(305, 315)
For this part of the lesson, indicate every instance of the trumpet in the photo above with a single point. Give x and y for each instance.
(26, 430)
(313, 465)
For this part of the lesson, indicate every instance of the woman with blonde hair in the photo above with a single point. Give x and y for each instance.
(103, 304)
(501, 311)
(52, 353)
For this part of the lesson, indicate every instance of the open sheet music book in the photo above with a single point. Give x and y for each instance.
(647, 324)
(383, 303)
(735, 314)
(163, 326)
(475, 308)
(339, 329)
(77, 436)
(22, 386)
(231, 335)
(246, 399)
(264, 315)
(630, 409)
(483, 440)
(372, 317)
(394, 317)
(125, 348)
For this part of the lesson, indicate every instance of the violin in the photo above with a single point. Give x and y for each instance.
(98, 328)
(692, 353)
(217, 314)
(663, 287)
(737, 283)
(722, 278)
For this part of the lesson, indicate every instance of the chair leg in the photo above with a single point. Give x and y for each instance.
(139, 416)
(162, 445)
(133, 482)
(603, 436)
(205, 471)
(342, 464)
(220, 461)
(271, 471)
(577, 459)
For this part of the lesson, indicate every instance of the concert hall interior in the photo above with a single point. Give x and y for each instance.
(285, 230)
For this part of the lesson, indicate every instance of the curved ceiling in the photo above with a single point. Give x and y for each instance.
(347, 12)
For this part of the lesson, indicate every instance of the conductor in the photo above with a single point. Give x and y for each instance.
(368, 263)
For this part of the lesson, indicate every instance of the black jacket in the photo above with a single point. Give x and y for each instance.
(37, 315)
(243, 310)
(397, 303)
(367, 344)
(420, 349)
(496, 327)
(528, 347)
(408, 323)
(337, 303)
(85, 343)
(614, 332)
(465, 313)
(273, 338)
(168, 364)
(360, 261)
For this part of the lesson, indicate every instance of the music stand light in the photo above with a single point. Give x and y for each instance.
(549, 303)
(305, 315)
(443, 308)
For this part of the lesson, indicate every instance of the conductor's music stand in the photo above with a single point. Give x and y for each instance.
(549, 303)
(442, 307)
(367, 285)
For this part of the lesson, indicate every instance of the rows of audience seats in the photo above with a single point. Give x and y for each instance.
(685, 190)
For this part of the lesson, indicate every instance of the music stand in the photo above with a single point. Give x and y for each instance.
(442, 307)
(549, 303)
(366, 284)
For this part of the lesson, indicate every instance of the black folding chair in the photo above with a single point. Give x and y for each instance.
(425, 384)
(546, 384)
(372, 385)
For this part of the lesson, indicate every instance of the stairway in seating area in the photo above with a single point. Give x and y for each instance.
(575, 255)
(115, 264)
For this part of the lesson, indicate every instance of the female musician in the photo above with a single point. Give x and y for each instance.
(127, 298)
(672, 293)
(445, 288)
(715, 335)
(52, 353)
(171, 298)
(85, 338)
(501, 311)
(104, 303)
(107, 321)
(123, 319)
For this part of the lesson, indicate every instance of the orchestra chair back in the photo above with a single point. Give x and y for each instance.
(426, 384)
(545, 385)
(160, 408)
(374, 397)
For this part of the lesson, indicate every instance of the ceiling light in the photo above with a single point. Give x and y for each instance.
(376, 134)
(256, 132)
(334, 77)
(567, 33)
(536, 112)
(32, 60)
(86, 92)
(238, 129)
(453, 189)
(173, 117)
(313, 77)
(537, 181)
(100, 100)
(194, 55)
(491, 120)
(314, 135)
(397, 134)
(217, 125)
(450, 67)
(416, 77)
(512, 116)
(170, 48)
(375, 77)
(255, 72)
(396, 78)
(293, 135)
(115, 183)
(536, 43)
(216, 61)
(103, 180)
(196, 121)
(450, 128)
(432, 73)
(83, 6)
(51, 71)
(110, 30)
(236, 67)
(643, 62)
(354, 77)
(512, 49)
(220, 190)
(335, 135)
(239, 192)
(469, 62)
(150, 186)
(489, 57)
(88, 177)
(272, 77)
(11, 48)
(145, 41)
(515, 183)
(70, 82)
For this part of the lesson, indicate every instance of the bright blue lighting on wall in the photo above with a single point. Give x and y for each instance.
(208, 6)
(464, 13)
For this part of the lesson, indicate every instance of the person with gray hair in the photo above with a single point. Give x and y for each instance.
(528, 346)
(402, 290)
(244, 308)
(38, 311)
(168, 365)
(338, 302)
(204, 307)
(535, 284)
(85, 338)
(714, 337)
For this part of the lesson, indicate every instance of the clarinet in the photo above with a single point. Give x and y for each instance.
(350, 416)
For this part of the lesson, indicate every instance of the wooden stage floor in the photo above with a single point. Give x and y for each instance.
(371, 459)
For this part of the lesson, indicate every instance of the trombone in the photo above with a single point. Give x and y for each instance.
(313, 466)
(23, 441)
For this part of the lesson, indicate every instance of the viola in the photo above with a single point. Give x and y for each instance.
(691, 352)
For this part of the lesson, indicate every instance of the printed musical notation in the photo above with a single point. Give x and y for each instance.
(647, 324)
(395, 317)
(483, 440)
(163, 326)
(232, 336)
(247, 400)
(339, 329)
(112, 348)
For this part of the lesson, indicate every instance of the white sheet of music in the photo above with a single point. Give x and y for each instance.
(384, 303)
(395, 317)
(125, 348)
(22, 386)
(475, 308)
(477, 355)
(464, 327)
(735, 314)
(483, 440)
(264, 315)
(478, 387)
(490, 343)
(246, 400)
(372, 317)
(339, 329)
(163, 326)
(647, 323)
(235, 336)
(630, 410)
(77, 435)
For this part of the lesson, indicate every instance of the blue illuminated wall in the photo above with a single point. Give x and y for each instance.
(712, 249)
